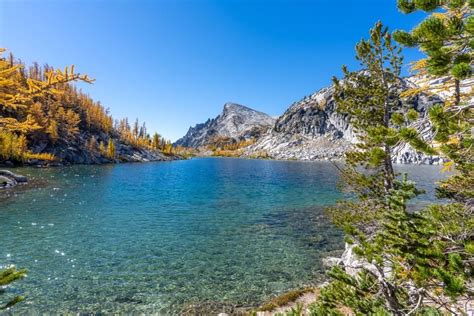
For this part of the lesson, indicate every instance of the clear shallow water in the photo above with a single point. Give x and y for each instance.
(156, 237)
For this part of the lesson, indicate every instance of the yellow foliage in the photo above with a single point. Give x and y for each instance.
(102, 149)
(439, 15)
(14, 147)
(229, 144)
(40, 104)
(419, 65)
(448, 166)
(412, 92)
(53, 131)
(454, 140)
(226, 153)
(111, 149)
(40, 156)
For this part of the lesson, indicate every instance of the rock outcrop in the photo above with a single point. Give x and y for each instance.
(312, 129)
(76, 153)
(9, 179)
(236, 122)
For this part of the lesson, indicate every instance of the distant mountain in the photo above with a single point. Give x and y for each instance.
(311, 128)
(236, 122)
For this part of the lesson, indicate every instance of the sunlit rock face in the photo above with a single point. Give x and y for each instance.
(235, 121)
(76, 153)
(312, 129)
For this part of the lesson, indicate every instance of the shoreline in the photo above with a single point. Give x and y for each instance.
(332, 160)
(58, 164)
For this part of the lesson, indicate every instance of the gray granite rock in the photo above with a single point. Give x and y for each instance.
(18, 178)
(75, 152)
(9, 179)
(236, 122)
(312, 129)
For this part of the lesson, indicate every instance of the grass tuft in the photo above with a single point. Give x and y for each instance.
(284, 299)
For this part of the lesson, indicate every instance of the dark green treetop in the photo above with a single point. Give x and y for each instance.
(446, 36)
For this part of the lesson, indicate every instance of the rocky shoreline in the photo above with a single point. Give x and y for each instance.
(76, 157)
(10, 180)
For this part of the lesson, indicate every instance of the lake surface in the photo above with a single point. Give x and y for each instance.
(157, 237)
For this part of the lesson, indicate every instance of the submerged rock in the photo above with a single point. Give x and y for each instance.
(6, 183)
(9, 179)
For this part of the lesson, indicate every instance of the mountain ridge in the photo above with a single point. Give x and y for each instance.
(312, 129)
(236, 122)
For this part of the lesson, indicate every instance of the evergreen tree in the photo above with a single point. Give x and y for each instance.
(156, 140)
(409, 262)
(447, 38)
(371, 99)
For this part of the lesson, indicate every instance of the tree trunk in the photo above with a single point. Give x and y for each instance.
(388, 167)
(389, 292)
(391, 299)
(457, 92)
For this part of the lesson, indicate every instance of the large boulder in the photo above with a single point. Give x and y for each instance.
(18, 178)
(6, 183)
(9, 179)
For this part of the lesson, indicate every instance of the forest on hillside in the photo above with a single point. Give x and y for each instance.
(45, 117)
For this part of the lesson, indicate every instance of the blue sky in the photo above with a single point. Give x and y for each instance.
(174, 63)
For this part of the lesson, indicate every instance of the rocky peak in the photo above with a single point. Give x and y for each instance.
(236, 122)
(234, 107)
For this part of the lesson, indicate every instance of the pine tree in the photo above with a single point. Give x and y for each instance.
(155, 142)
(411, 262)
(447, 38)
(371, 99)
(136, 129)
(417, 263)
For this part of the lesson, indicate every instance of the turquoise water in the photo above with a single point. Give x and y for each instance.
(157, 237)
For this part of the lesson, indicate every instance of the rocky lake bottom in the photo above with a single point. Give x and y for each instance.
(160, 237)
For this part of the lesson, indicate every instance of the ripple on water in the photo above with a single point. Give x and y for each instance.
(160, 237)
